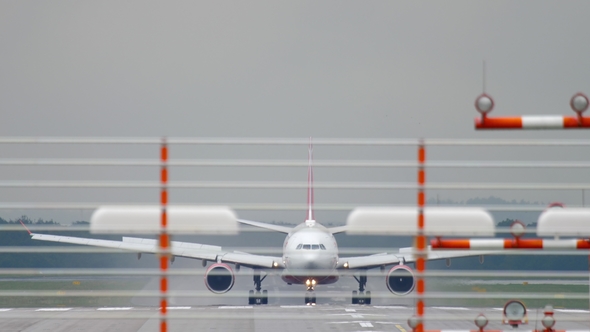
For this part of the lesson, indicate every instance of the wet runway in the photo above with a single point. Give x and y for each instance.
(193, 308)
(282, 318)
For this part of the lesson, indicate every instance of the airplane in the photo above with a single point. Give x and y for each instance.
(310, 258)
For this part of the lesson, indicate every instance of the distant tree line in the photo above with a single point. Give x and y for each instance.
(18, 238)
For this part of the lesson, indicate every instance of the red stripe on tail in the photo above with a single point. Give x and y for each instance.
(310, 184)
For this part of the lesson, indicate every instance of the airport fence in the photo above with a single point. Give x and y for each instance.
(66, 179)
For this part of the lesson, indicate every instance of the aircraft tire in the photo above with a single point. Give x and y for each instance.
(355, 299)
(251, 297)
(368, 297)
(264, 297)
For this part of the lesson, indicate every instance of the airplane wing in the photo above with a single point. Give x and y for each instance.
(338, 229)
(276, 228)
(404, 255)
(179, 249)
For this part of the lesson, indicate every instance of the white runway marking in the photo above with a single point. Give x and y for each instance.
(236, 307)
(350, 310)
(5, 309)
(177, 308)
(390, 307)
(115, 309)
(451, 308)
(499, 309)
(572, 310)
(54, 309)
(296, 306)
(366, 324)
(356, 316)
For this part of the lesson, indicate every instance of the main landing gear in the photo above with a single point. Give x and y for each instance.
(310, 298)
(360, 296)
(255, 296)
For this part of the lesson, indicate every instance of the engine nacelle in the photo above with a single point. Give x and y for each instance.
(400, 280)
(219, 278)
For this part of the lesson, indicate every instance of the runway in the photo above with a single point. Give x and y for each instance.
(194, 308)
(284, 318)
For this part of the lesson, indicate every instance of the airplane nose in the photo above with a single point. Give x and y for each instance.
(305, 261)
(311, 261)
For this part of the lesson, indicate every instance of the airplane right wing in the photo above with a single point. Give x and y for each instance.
(180, 249)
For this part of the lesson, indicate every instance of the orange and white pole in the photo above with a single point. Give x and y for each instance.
(579, 103)
(164, 240)
(533, 122)
(420, 240)
(516, 243)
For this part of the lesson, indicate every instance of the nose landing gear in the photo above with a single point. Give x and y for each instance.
(310, 298)
(361, 297)
(255, 296)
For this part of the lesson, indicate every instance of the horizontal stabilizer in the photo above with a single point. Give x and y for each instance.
(276, 228)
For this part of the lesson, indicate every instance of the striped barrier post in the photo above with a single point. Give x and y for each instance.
(579, 104)
(516, 243)
(164, 238)
(420, 240)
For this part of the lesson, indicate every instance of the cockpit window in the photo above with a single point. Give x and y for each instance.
(299, 246)
(322, 247)
(315, 247)
(306, 246)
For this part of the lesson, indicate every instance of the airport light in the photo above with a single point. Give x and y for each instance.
(579, 103)
(517, 229)
(413, 322)
(481, 321)
(548, 320)
(484, 104)
(514, 313)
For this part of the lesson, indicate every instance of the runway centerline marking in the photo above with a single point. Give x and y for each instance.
(581, 311)
(236, 307)
(53, 309)
(177, 308)
(451, 308)
(366, 324)
(114, 308)
(350, 310)
(401, 328)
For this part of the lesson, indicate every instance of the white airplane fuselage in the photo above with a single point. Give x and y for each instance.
(310, 253)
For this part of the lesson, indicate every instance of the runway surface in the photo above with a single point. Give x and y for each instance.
(203, 311)
(284, 318)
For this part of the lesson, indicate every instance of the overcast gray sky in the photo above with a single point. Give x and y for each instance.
(379, 69)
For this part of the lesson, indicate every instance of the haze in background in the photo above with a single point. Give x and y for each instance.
(289, 69)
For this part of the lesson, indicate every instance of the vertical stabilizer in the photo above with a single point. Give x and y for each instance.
(310, 215)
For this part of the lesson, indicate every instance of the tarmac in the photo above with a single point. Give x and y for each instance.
(285, 312)
(284, 318)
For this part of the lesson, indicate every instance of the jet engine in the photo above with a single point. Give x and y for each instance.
(400, 280)
(219, 278)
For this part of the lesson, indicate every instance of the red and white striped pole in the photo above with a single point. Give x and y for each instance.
(420, 240)
(579, 104)
(516, 243)
(164, 238)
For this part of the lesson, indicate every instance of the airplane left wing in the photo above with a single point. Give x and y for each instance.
(179, 249)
